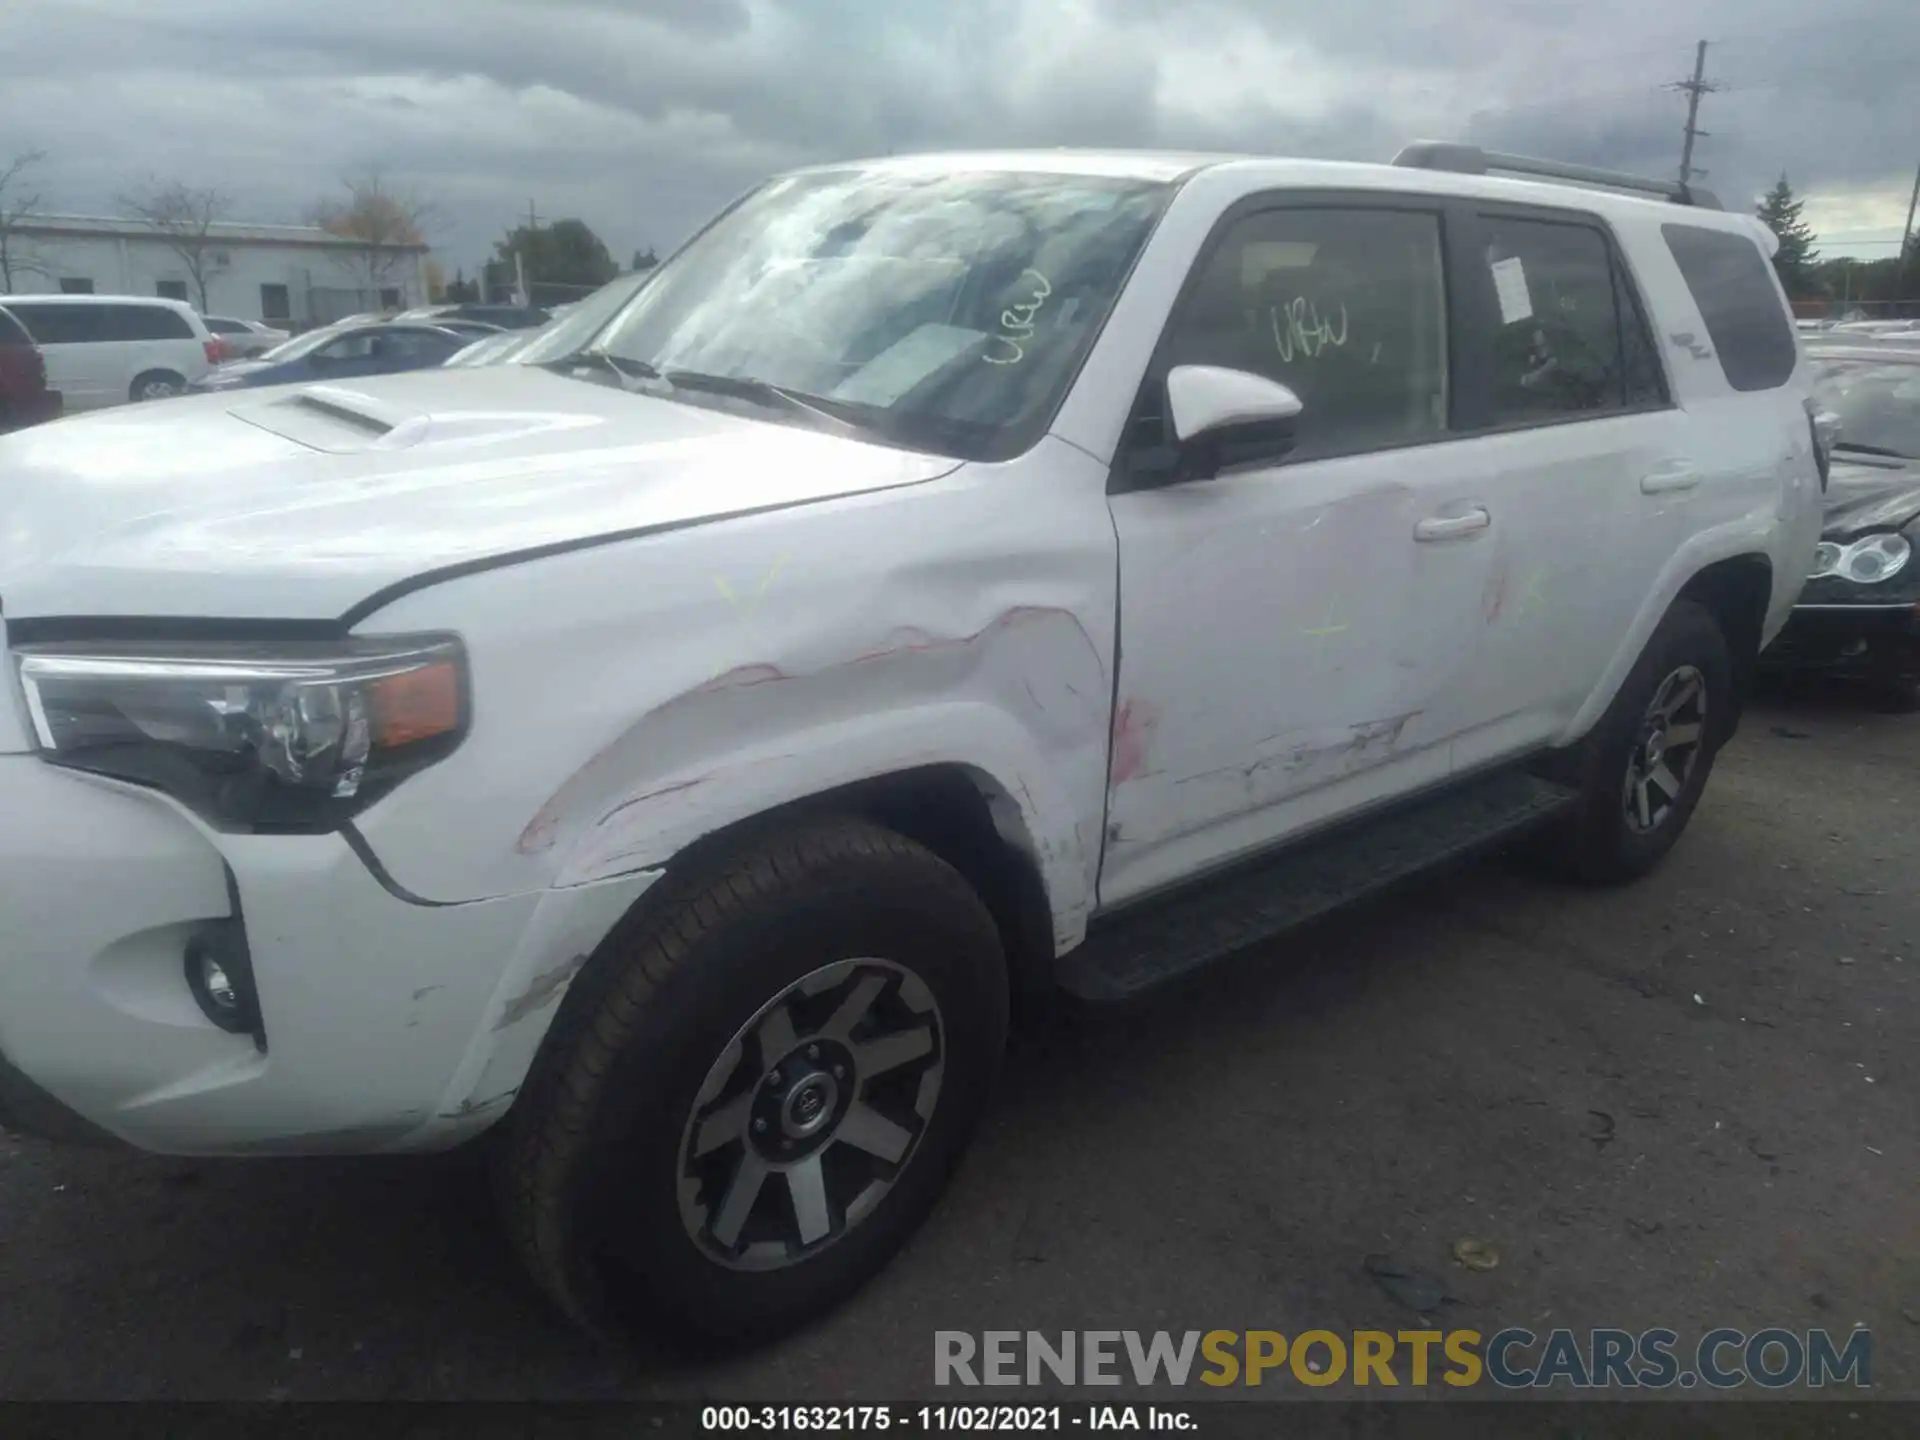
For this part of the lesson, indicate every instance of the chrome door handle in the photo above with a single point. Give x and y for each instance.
(1452, 527)
(1665, 481)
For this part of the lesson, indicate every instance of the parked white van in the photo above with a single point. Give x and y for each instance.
(104, 350)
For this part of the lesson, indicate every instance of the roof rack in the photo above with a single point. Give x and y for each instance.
(1472, 160)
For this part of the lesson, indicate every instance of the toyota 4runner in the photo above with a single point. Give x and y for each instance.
(951, 578)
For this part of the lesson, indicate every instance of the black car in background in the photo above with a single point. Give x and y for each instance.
(1859, 615)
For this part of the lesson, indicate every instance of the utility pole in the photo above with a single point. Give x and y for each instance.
(1696, 87)
(524, 296)
(1906, 238)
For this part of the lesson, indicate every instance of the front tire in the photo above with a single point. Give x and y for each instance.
(1642, 770)
(759, 1089)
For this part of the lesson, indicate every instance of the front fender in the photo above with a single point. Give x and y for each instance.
(621, 819)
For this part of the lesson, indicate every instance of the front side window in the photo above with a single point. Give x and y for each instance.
(1344, 307)
(347, 347)
(1557, 342)
(940, 311)
(1739, 300)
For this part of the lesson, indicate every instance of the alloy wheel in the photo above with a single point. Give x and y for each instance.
(1666, 748)
(810, 1114)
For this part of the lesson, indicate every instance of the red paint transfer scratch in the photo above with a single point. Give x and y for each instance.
(1132, 728)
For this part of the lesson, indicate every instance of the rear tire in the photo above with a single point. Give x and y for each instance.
(157, 385)
(665, 1172)
(1642, 770)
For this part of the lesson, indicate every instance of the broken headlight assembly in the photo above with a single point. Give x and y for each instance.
(252, 735)
(1866, 561)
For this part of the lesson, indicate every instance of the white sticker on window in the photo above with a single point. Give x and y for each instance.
(1510, 284)
(904, 364)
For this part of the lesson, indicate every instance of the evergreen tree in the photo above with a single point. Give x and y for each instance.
(1795, 261)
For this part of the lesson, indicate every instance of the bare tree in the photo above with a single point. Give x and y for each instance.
(384, 222)
(184, 215)
(18, 200)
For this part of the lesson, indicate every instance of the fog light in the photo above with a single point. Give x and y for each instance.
(219, 977)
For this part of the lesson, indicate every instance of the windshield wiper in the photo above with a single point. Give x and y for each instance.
(760, 391)
(628, 372)
(1857, 448)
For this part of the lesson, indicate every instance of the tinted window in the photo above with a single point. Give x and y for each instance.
(1733, 284)
(355, 346)
(1644, 381)
(171, 289)
(1345, 307)
(417, 344)
(1558, 348)
(62, 324)
(145, 322)
(11, 331)
(226, 327)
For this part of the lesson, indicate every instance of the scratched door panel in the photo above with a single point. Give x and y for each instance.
(1284, 645)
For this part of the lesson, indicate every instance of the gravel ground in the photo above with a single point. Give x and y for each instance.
(1688, 1104)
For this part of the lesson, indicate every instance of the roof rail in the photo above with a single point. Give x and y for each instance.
(1472, 160)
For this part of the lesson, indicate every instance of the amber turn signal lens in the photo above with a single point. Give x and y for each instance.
(415, 705)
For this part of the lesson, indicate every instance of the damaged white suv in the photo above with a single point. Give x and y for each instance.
(949, 578)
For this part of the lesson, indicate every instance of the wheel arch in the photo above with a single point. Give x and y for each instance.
(958, 812)
(1736, 592)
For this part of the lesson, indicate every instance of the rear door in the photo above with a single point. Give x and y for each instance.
(1586, 465)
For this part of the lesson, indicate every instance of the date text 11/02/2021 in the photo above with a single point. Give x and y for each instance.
(918, 1419)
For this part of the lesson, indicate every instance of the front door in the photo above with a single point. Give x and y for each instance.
(1292, 634)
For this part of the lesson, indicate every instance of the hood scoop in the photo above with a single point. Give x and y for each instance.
(340, 421)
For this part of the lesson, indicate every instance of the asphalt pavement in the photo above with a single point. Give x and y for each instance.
(1686, 1104)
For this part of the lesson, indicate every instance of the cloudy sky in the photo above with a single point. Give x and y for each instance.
(643, 116)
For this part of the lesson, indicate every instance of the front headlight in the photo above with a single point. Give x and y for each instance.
(266, 736)
(1866, 561)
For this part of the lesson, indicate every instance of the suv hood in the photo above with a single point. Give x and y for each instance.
(299, 503)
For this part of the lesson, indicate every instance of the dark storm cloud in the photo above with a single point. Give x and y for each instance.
(644, 115)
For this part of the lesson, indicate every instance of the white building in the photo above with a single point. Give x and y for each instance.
(291, 276)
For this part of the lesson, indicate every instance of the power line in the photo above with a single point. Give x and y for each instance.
(1696, 87)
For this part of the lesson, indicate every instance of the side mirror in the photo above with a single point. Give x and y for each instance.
(1225, 417)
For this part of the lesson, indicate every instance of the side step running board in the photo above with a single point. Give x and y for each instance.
(1144, 947)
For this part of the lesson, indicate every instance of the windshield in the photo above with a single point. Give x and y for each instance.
(306, 344)
(944, 312)
(568, 333)
(1878, 403)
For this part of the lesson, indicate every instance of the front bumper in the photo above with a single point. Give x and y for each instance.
(388, 1024)
(1874, 642)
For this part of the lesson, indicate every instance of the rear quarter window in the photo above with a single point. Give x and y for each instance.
(1732, 283)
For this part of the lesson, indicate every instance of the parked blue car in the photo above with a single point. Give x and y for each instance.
(339, 352)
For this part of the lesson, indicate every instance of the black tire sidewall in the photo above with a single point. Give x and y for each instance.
(1606, 847)
(910, 909)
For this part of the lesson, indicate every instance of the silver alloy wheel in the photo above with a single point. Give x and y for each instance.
(158, 390)
(810, 1114)
(1666, 749)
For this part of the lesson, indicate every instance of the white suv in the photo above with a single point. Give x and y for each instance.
(109, 349)
(950, 579)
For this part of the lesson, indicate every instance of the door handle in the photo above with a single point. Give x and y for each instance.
(1452, 527)
(1669, 478)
